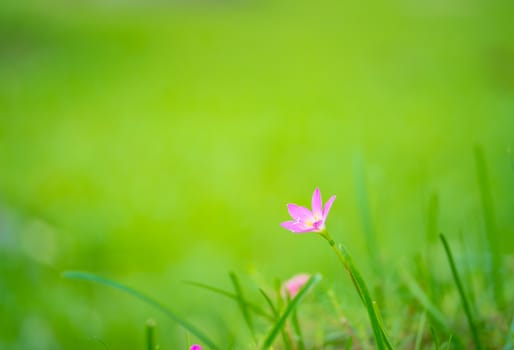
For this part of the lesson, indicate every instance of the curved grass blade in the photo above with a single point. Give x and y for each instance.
(256, 309)
(270, 302)
(85, 276)
(285, 337)
(290, 307)
(464, 300)
(242, 304)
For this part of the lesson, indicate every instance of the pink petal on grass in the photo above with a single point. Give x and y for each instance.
(317, 204)
(195, 347)
(299, 213)
(328, 205)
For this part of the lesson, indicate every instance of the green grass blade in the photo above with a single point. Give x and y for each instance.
(285, 337)
(268, 341)
(434, 338)
(242, 303)
(421, 329)
(449, 343)
(464, 300)
(425, 302)
(270, 302)
(78, 275)
(494, 265)
(365, 213)
(346, 259)
(256, 309)
(381, 323)
(509, 344)
(348, 344)
(297, 330)
(150, 335)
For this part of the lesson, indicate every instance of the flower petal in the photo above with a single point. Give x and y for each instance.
(317, 204)
(296, 227)
(299, 213)
(328, 205)
(294, 284)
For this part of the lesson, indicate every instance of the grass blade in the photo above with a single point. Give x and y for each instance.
(285, 337)
(256, 309)
(494, 265)
(365, 212)
(509, 344)
(356, 277)
(464, 300)
(270, 302)
(421, 328)
(268, 341)
(297, 331)
(150, 335)
(79, 275)
(242, 303)
(348, 344)
(434, 338)
(425, 302)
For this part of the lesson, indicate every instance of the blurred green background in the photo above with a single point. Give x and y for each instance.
(156, 142)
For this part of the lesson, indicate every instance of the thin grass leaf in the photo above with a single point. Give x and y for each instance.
(270, 302)
(419, 333)
(449, 343)
(432, 230)
(268, 341)
(509, 344)
(424, 301)
(464, 300)
(387, 339)
(494, 266)
(365, 213)
(363, 291)
(150, 334)
(242, 304)
(297, 330)
(348, 344)
(467, 274)
(256, 309)
(79, 275)
(285, 337)
(434, 338)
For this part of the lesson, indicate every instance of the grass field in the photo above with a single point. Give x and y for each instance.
(154, 143)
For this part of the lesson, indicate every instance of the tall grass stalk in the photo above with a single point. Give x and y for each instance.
(361, 287)
(494, 263)
(462, 294)
(150, 335)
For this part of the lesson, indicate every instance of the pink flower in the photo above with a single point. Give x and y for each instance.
(295, 283)
(305, 220)
(195, 347)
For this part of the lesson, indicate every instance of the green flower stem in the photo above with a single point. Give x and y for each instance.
(356, 277)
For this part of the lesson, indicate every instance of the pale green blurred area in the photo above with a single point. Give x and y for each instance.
(159, 142)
